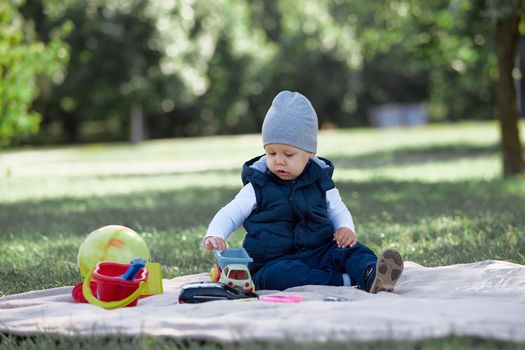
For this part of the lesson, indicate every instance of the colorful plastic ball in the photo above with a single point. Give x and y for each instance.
(110, 243)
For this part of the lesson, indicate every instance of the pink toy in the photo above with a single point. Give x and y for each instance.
(282, 298)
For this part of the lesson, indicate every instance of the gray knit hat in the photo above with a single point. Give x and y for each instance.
(291, 120)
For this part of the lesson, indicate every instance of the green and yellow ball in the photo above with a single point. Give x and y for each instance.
(110, 243)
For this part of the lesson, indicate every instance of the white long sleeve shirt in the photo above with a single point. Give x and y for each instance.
(230, 217)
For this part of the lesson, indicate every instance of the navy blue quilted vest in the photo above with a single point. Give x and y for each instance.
(290, 215)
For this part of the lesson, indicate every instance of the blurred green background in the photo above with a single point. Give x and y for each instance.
(93, 70)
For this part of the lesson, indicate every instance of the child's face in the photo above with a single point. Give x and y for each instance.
(287, 162)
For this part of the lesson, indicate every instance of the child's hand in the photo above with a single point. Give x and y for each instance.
(215, 242)
(345, 237)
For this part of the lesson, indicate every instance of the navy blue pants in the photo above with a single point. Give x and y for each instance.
(321, 266)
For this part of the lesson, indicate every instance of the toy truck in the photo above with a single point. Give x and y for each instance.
(232, 269)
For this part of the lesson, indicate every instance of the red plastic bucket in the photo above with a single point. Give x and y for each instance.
(109, 287)
(78, 296)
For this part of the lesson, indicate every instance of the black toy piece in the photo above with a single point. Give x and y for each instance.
(209, 291)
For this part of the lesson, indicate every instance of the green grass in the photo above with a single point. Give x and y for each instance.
(67, 343)
(434, 193)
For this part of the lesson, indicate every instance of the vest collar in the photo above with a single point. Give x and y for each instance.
(255, 170)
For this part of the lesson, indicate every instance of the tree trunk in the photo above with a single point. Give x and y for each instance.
(506, 103)
(136, 124)
(71, 124)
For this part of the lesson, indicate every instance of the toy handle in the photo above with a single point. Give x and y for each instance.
(109, 305)
(134, 267)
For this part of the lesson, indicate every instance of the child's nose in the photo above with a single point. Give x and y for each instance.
(279, 160)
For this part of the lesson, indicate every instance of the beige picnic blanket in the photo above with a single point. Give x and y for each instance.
(484, 299)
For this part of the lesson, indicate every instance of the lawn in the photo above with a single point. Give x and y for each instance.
(434, 193)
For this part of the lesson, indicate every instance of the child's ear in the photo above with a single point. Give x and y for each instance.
(311, 154)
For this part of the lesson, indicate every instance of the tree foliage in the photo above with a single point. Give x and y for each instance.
(200, 67)
(22, 58)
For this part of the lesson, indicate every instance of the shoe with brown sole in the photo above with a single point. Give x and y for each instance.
(388, 270)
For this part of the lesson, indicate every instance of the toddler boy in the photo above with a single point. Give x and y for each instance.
(299, 231)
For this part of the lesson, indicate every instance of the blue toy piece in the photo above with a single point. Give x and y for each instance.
(232, 256)
(134, 268)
